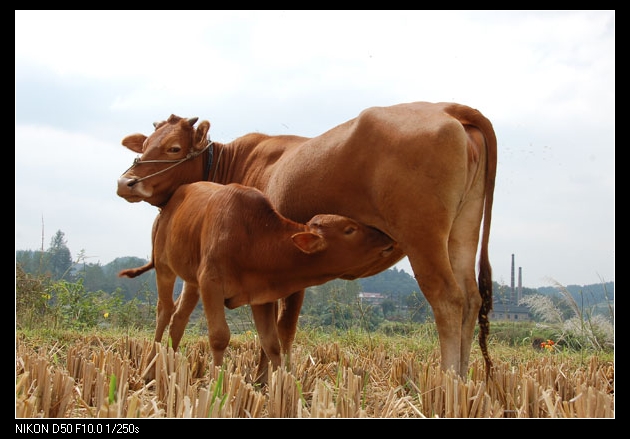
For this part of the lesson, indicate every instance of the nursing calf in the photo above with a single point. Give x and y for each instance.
(231, 247)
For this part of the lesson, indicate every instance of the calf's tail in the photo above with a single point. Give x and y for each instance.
(135, 272)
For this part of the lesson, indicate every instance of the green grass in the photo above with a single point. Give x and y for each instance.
(506, 339)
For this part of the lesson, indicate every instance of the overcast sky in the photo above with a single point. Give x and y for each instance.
(546, 80)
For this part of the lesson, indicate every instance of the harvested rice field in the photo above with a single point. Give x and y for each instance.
(102, 377)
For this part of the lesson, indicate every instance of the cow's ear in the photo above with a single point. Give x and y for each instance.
(134, 142)
(309, 242)
(201, 136)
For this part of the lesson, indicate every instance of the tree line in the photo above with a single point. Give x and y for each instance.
(50, 284)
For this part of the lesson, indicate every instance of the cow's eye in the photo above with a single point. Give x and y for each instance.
(174, 149)
(350, 230)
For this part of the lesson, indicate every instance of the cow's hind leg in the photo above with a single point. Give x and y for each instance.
(462, 247)
(433, 273)
(463, 264)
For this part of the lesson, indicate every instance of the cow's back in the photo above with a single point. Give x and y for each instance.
(381, 167)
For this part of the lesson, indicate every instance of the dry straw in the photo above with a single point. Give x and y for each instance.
(94, 379)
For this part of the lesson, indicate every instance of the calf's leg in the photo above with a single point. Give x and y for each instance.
(286, 320)
(266, 325)
(218, 329)
(185, 305)
(165, 307)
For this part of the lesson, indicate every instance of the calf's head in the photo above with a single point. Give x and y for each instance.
(345, 244)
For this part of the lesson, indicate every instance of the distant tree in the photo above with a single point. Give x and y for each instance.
(388, 306)
(93, 277)
(30, 297)
(418, 307)
(34, 262)
(60, 257)
(332, 303)
(132, 287)
(392, 282)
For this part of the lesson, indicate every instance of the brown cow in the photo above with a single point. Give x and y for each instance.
(421, 172)
(229, 245)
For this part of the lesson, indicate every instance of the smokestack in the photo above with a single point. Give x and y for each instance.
(520, 284)
(512, 283)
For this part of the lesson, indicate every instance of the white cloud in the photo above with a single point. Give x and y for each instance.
(546, 79)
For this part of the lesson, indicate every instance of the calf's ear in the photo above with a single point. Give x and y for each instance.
(309, 242)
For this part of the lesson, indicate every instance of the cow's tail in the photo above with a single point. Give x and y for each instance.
(485, 269)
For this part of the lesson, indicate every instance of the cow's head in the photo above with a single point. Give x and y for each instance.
(171, 156)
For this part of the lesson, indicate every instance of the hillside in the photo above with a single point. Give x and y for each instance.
(392, 283)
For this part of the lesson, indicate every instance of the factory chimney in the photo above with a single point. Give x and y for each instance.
(520, 284)
(512, 283)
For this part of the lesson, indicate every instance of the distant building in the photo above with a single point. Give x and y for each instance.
(510, 312)
(371, 298)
